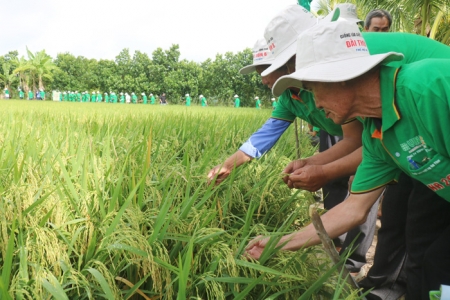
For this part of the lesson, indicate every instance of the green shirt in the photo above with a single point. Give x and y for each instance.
(258, 103)
(99, 97)
(413, 136)
(237, 102)
(42, 95)
(274, 104)
(30, 95)
(93, 97)
(152, 99)
(188, 101)
(21, 94)
(289, 107)
(134, 98)
(144, 99)
(203, 101)
(106, 98)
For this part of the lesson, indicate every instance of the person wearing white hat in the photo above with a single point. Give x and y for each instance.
(106, 97)
(237, 101)
(262, 56)
(257, 103)
(99, 97)
(134, 98)
(42, 94)
(281, 36)
(144, 98)
(274, 103)
(152, 99)
(127, 98)
(22, 94)
(30, 95)
(113, 98)
(188, 100)
(203, 101)
(122, 97)
(402, 134)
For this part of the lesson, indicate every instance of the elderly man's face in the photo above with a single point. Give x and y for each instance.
(378, 25)
(270, 79)
(335, 98)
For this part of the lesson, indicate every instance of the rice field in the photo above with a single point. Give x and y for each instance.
(109, 201)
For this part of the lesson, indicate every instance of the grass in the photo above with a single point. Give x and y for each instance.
(111, 201)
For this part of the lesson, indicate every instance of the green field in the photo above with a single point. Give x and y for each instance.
(111, 201)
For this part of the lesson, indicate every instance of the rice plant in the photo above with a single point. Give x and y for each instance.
(111, 201)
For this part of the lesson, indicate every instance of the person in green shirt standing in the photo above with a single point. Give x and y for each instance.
(144, 98)
(237, 101)
(258, 103)
(30, 95)
(106, 97)
(274, 103)
(134, 98)
(93, 97)
(22, 94)
(152, 99)
(188, 100)
(99, 97)
(122, 98)
(64, 96)
(6, 93)
(203, 101)
(42, 93)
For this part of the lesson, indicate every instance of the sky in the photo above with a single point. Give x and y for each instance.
(100, 29)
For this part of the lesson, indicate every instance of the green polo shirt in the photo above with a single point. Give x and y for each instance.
(237, 102)
(152, 99)
(144, 99)
(21, 94)
(188, 101)
(274, 104)
(258, 103)
(414, 47)
(99, 98)
(290, 106)
(42, 94)
(413, 136)
(30, 94)
(203, 101)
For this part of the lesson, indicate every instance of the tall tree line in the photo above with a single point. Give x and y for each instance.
(219, 79)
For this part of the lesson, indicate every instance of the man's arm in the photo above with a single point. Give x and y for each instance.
(259, 143)
(340, 160)
(338, 220)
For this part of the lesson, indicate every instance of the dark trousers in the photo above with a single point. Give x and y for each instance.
(386, 275)
(427, 242)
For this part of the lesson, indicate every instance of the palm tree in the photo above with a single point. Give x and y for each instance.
(39, 66)
(7, 78)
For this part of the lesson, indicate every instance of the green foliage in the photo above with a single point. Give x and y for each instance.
(105, 203)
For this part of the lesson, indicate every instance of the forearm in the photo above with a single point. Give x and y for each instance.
(338, 220)
(344, 166)
(237, 159)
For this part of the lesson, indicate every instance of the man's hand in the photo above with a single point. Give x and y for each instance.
(221, 171)
(256, 247)
(310, 178)
(291, 167)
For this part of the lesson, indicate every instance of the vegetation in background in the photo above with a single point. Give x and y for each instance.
(111, 201)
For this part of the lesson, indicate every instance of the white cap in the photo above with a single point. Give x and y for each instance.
(132, 93)
(187, 95)
(256, 97)
(236, 96)
(6, 89)
(201, 96)
(261, 56)
(76, 91)
(64, 93)
(331, 52)
(41, 90)
(273, 99)
(347, 11)
(105, 93)
(98, 92)
(121, 93)
(281, 34)
(143, 94)
(151, 94)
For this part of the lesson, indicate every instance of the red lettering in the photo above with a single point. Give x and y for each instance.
(435, 186)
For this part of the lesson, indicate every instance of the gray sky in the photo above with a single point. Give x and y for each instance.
(101, 28)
